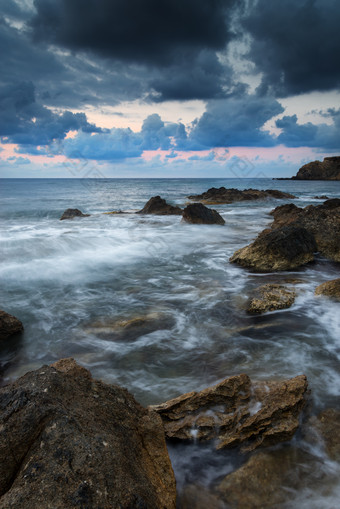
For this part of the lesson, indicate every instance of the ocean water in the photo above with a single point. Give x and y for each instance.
(73, 283)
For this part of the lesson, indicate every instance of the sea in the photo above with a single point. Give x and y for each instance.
(76, 284)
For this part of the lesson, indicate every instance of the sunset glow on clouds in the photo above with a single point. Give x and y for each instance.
(165, 96)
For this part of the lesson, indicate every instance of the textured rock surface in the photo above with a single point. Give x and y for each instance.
(281, 249)
(70, 441)
(327, 426)
(270, 297)
(237, 412)
(222, 195)
(195, 496)
(9, 325)
(157, 205)
(329, 289)
(196, 213)
(72, 213)
(328, 169)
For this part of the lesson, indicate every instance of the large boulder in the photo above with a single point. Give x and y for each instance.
(328, 169)
(9, 325)
(72, 213)
(329, 289)
(215, 196)
(285, 248)
(237, 412)
(157, 205)
(70, 441)
(270, 297)
(196, 213)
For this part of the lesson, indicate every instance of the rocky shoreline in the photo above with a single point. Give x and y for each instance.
(328, 169)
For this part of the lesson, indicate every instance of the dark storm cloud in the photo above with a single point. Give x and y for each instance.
(295, 44)
(325, 136)
(26, 122)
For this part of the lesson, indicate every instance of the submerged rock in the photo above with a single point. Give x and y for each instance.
(157, 205)
(9, 325)
(215, 196)
(70, 441)
(72, 213)
(196, 213)
(282, 249)
(327, 427)
(328, 169)
(237, 412)
(270, 297)
(329, 289)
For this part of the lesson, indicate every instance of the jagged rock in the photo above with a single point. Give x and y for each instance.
(237, 412)
(260, 483)
(70, 441)
(196, 213)
(270, 297)
(72, 213)
(9, 325)
(215, 196)
(329, 289)
(281, 249)
(328, 169)
(157, 205)
(323, 221)
(327, 426)
(129, 329)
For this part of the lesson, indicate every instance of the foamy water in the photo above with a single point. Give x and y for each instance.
(63, 278)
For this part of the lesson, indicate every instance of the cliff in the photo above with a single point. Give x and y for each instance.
(328, 169)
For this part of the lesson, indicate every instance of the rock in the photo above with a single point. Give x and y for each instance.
(262, 482)
(329, 289)
(270, 297)
(194, 496)
(323, 221)
(222, 195)
(327, 426)
(285, 248)
(72, 213)
(237, 412)
(70, 441)
(196, 213)
(323, 197)
(158, 205)
(328, 169)
(129, 329)
(9, 325)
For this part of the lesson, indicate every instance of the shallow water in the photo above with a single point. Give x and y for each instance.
(70, 282)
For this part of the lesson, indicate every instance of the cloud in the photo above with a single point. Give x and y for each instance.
(295, 44)
(19, 160)
(322, 136)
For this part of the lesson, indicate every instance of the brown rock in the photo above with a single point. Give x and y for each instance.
(194, 496)
(70, 441)
(327, 426)
(222, 195)
(328, 169)
(282, 249)
(9, 325)
(270, 297)
(196, 213)
(72, 213)
(157, 205)
(329, 289)
(237, 412)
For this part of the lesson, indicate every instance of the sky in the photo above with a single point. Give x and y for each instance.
(168, 88)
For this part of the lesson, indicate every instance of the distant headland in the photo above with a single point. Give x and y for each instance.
(328, 169)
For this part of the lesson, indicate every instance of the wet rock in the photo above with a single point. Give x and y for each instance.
(196, 213)
(9, 325)
(322, 197)
(270, 297)
(329, 289)
(157, 205)
(70, 441)
(72, 213)
(129, 329)
(262, 482)
(328, 169)
(215, 196)
(194, 496)
(285, 248)
(327, 426)
(237, 412)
